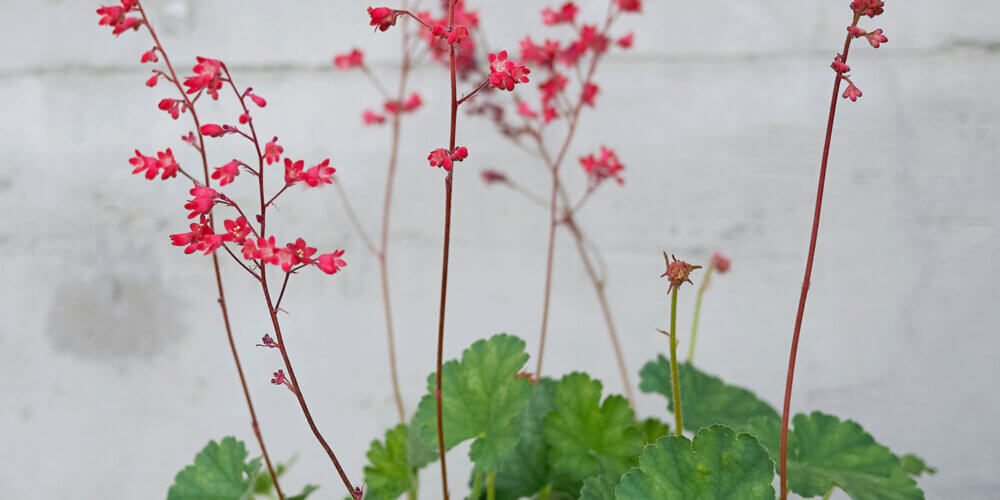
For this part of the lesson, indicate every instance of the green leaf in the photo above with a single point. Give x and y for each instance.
(718, 464)
(824, 451)
(526, 471)
(220, 472)
(587, 437)
(389, 473)
(305, 492)
(705, 400)
(599, 487)
(653, 429)
(915, 466)
(480, 399)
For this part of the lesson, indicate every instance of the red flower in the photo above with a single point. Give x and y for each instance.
(266, 250)
(589, 94)
(549, 113)
(213, 130)
(678, 272)
(279, 378)
(319, 174)
(272, 151)
(286, 259)
(504, 74)
(258, 100)
(249, 249)
(493, 176)
(352, 59)
(458, 33)
(630, 5)
(720, 263)
(852, 92)
(173, 106)
(164, 160)
(201, 237)
(267, 341)
(190, 139)
(552, 87)
(116, 18)
(130, 23)
(382, 17)
(152, 80)
(565, 14)
(413, 102)
(149, 56)
(237, 230)
(876, 38)
(330, 263)
(603, 167)
(293, 171)
(301, 251)
(540, 54)
(204, 199)
(838, 64)
(870, 8)
(226, 173)
(442, 158)
(625, 42)
(208, 76)
(524, 109)
(370, 117)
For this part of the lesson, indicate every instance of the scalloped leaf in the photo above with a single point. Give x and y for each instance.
(389, 472)
(705, 399)
(599, 487)
(526, 471)
(220, 472)
(824, 451)
(653, 429)
(586, 436)
(481, 398)
(718, 464)
(916, 466)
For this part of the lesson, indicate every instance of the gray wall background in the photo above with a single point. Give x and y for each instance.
(114, 366)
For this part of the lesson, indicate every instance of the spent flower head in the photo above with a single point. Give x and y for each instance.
(678, 272)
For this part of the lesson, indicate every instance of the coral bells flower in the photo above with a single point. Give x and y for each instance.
(200, 237)
(457, 34)
(504, 74)
(492, 176)
(370, 117)
(565, 14)
(279, 378)
(870, 8)
(293, 170)
(151, 166)
(208, 76)
(319, 174)
(302, 252)
(838, 64)
(172, 106)
(719, 263)
(272, 151)
(149, 56)
(413, 102)
(603, 167)
(204, 199)
(852, 92)
(524, 109)
(286, 259)
(237, 230)
(678, 272)
(353, 59)
(589, 94)
(267, 341)
(115, 17)
(442, 158)
(226, 173)
(630, 5)
(626, 41)
(382, 17)
(876, 38)
(330, 263)
(213, 130)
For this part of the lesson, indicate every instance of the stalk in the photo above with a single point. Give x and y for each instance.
(674, 379)
(697, 310)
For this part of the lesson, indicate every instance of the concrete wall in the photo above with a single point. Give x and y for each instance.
(113, 362)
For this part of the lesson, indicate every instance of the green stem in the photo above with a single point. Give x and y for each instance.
(545, 492)
(673, 362)
(697, 311)
(476, 486)
(827, 496)
(491, 492)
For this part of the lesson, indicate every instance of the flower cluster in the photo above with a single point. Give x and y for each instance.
(392, 107)
(719, 262)
(876, 38)
(678, 272)
(443, 158)
(164, 161)
(313, 176)
(605, 166)
(353, 59)
(439, 38)
(207, 77)
(504, 73)
(118, 19)
(870, 8)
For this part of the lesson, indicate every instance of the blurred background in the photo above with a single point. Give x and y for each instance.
(116, 369)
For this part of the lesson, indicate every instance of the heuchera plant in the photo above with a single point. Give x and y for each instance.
(532, 436)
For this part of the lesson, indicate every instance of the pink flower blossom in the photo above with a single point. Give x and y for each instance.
(237, 230)
(172, 106)
(838, 64)
(720, 263)
(286, 259)
(190, 139)
(279, 378)
(116, 18)
(353, 59)
(870, 8)
(490, 176)
(151, 166)
(625, 42)
(200, 237)
(149, 56)
(457, 34)
(603, 167)
(152, 80)
(130, 23)
(565, 14)
(204, 199)
(382, 17)
(630, 5)
(266, 250)
(549, 113)
(678, 272)
(258, 100)
(413, 102)
(272, 151)
(589, 94)
(370, 117)
(293, 170)
(524, 109)
(267, 341)
(543, 55)
(552, 87)
(208, 76)
(442, 158)
(165, 160)
(330, 263)
(249, 249)
(302, 251)
(227, 173)
(852, 92)
(876, 38)
(319, 174)
(504, 74)
(213, 130)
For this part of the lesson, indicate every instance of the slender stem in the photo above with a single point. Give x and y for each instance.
(675, 381)
(808, 273)
(444, 265)
(477, 486)
(254, 422)
(697, 310)
(491, 490)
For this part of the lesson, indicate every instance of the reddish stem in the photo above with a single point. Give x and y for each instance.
(215, 260)
(808, 273)
(444, 264)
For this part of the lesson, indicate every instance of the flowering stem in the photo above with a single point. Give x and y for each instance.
(215, 260)
(697, 310)
(444, 265)
(491, 491)
(808, 273)
(675, 381)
